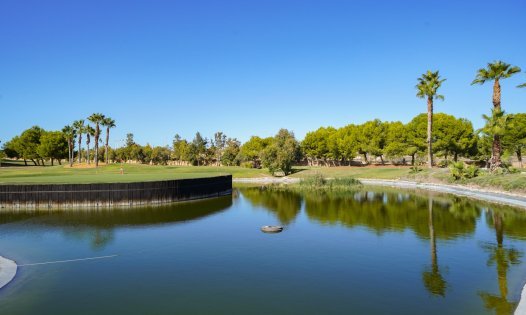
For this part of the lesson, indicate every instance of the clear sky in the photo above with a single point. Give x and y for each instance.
(248, 67)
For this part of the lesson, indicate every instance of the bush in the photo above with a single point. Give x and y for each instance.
(443, 163)
(247, 165)
(415, 169)
(319, 182)
(458, 170)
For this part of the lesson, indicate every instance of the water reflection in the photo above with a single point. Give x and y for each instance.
(432, 277)
(447, 218)
(285, 205)
(98, 225)
(382, 211)
(502, 258)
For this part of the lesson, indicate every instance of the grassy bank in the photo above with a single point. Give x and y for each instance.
(111, 173)
(137, 172)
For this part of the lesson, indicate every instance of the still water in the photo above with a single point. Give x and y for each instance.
(365, 252)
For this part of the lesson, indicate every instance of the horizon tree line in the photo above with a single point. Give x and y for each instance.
(328, 146)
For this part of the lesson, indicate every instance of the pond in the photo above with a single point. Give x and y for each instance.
(373, 251)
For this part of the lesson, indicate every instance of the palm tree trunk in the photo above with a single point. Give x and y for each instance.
(87, 150)
(97, 134)
(495, 154)
(69, 151)
(80, 148)
(496, 94)
(107, 140)
(496, 148)
(429, 131)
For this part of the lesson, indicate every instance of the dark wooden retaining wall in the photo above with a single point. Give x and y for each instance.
(112, 194)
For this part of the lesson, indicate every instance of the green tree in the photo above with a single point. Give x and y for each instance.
(53, 145)
(252, 150)
(69, 133)
(416, 136)
(281, 153)
(90, 132)
(108, 123)
(454, 136)
(495, 127)
(495, 72)
(197, 150)
(514, 138)
(397, 144)
(427, 87)
(315, 146)
(78, 125)
(348, 144)
(97, 119)
(231, 152)
(374, 138)
(160, 155)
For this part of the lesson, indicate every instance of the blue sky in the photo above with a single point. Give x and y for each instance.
(248, 67)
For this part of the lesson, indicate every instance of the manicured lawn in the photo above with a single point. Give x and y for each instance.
(137, 172)
(111, 173)
(380, 172)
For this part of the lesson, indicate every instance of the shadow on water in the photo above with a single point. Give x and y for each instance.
(98, 225)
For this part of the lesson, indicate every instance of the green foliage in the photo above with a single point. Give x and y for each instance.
(459, 170)
(495, 71)
(428, 85)
(253, 149)
(230, 155)
(318, 182)
(53, 145)
(281, 153)
(415, 169)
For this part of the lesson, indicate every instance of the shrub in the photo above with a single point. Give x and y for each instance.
(415, 169)
(458, 170)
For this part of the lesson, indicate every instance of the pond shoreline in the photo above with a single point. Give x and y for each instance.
(7, 271)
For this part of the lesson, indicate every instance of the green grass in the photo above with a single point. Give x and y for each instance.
(376, 172)
(138, 172)
(111, 173)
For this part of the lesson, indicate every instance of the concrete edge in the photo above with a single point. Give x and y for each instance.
(7, 271)
(471, 192)
(521, 308)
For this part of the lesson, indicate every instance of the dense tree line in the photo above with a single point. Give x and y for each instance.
(418, 141)
(36, 144)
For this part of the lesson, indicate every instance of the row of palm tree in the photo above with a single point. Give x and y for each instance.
(79, 127)
(429, 83)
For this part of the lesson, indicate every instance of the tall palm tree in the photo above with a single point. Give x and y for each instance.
(495, 72)
(427, 87)
(69, 133)
(79, 128)
(90, 132)
(108, 123)
(97, 119)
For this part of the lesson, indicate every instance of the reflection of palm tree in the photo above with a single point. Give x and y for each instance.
(433, 280)
(501, 257)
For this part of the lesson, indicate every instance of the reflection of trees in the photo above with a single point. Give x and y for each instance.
(98, 237)
(98, 225)
(392, 211)
(284, 204)
(432, 278)
(502, 258)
